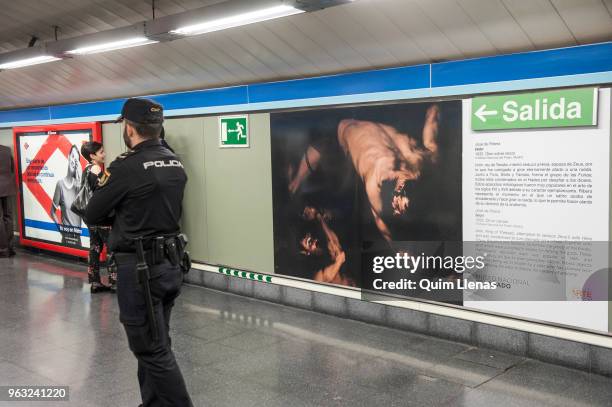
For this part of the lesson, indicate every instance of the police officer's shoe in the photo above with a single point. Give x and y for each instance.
(98, 288)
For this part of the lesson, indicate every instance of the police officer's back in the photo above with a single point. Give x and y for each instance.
(145, 187)
(141, 194)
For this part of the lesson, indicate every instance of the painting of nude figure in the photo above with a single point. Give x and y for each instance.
(348, 179)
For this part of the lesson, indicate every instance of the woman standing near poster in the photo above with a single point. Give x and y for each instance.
(66, 190)
(93, 152)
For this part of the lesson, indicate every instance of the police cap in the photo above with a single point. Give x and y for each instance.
(143, 111)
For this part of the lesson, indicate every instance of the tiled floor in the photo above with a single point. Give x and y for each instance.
(236, 351)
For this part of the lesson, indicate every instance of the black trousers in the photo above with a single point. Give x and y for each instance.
(6, 226)
(161, 381)
(98, 236)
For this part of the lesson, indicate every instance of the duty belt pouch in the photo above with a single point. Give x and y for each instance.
(158, 250)
(173, 251)
(185, 258)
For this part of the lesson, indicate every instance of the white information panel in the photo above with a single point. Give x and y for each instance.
(541, 187)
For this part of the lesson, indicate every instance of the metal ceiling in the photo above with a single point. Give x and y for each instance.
(362, 35)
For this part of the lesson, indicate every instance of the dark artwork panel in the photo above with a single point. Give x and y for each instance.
(349, 182)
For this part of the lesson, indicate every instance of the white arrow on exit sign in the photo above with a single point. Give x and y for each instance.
(482, 114)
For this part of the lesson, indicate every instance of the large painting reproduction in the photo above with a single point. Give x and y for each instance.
(353, 182)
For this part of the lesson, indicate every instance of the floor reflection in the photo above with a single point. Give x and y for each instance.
(236, 351)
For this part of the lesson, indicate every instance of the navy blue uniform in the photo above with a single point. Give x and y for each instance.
(140, 195)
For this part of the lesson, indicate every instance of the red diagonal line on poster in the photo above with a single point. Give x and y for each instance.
(53, 142)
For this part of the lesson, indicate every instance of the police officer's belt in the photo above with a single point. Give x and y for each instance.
(162, 248)
(126, 257)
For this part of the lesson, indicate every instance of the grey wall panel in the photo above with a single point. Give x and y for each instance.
(227, 210)
(239, 198)
(186, 137)
(6, 137)
(112, 140)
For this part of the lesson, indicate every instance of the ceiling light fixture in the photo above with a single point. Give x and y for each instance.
(219, 16)
(237, 20)
(111, 46)
(28, 62)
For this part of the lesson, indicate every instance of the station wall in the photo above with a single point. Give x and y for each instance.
(228, 208)
(228, 205)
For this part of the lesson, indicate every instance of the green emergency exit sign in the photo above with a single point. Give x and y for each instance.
(559, 108)
(234, 131)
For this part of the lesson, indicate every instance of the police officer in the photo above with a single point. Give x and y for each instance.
(140, 195)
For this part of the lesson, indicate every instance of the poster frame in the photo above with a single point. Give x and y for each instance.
(96, 135)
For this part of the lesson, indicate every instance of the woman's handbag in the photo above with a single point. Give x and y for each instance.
(82, 199)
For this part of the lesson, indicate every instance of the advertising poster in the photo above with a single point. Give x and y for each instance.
(351, 184)
(536, 190)
(49, 168)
